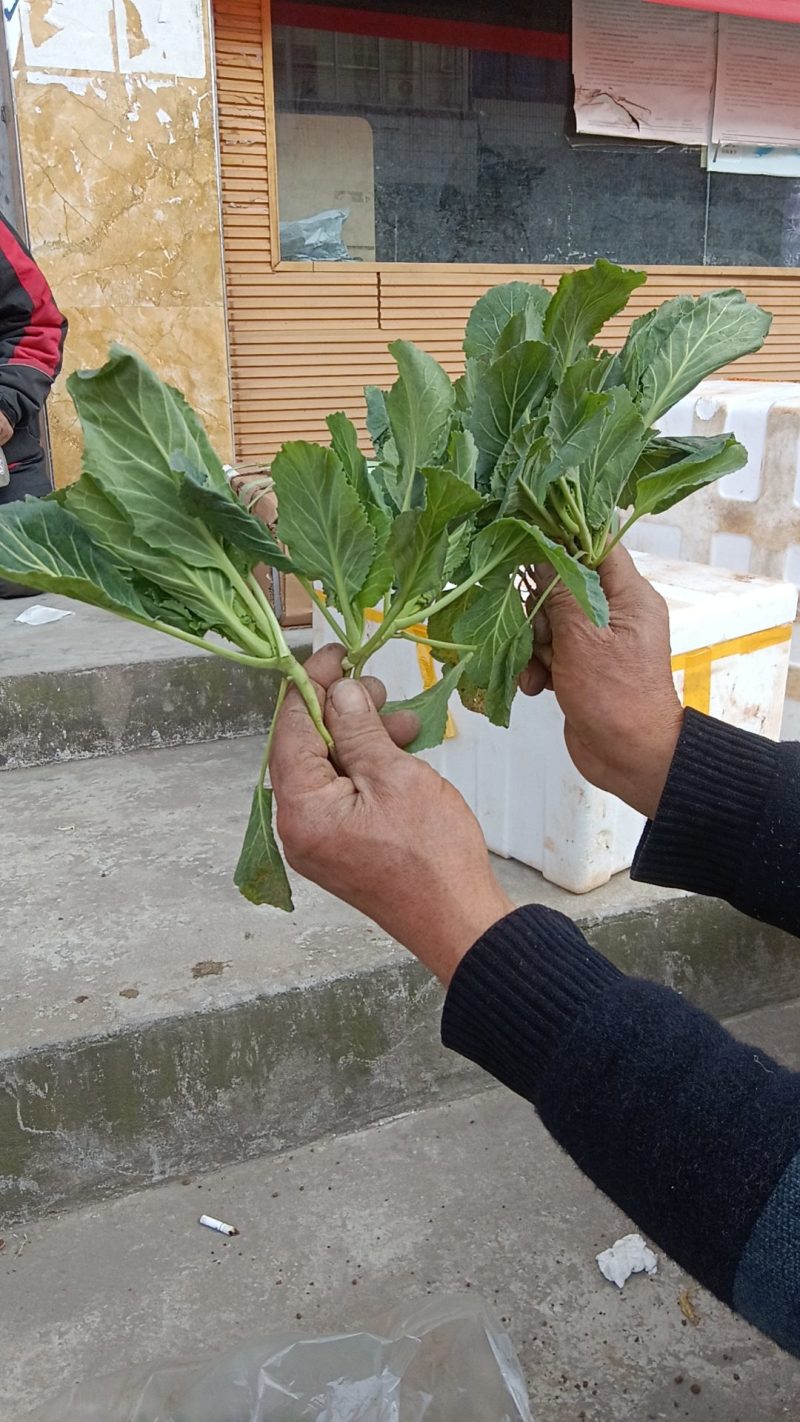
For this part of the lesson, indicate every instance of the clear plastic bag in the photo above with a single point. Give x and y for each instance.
(315, 239)
(445, 1359)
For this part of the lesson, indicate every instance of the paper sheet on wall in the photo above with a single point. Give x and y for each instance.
(758, 83)
(642, 71)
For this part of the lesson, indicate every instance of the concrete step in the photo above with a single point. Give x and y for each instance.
(153, 1023)
(471, 1196)
(94, 685)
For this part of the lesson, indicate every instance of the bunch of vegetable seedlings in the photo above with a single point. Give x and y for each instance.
(528, 458)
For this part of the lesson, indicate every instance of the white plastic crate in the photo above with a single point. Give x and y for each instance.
(750, 521)
(730, 642)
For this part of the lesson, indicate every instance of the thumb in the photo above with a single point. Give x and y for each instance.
(363, 746)
(561, 608)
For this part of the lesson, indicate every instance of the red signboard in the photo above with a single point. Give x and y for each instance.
(385, 24)
(788, 10)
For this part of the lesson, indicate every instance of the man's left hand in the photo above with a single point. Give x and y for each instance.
(384, 832)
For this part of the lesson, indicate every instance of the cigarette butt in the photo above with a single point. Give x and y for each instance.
(219, 1225)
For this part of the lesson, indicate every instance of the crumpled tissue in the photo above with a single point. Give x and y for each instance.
(630, 1255)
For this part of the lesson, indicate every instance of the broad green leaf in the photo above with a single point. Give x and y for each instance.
(574, 429)
(517, 447)
(377, 417)
(261, 874)
(418, 542)
(466, 386)
(525, 325)
(462, 456)
(180, 594)
(381, 574)
(44, 546)
(507, 389)
(321, 520)
(420, 406)
(344, 439)
(496, 623)
(509, 543)
(134, 427)
(604, 474)
(491, 314)
(441, 626)
(228, 521)
(459, 542)
(670, 350)
(583, 303)
(653, 493)
(431, 708)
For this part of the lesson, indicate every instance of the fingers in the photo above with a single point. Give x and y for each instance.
(364, 749)
(325, 666)
(403, 727)
(535, 678)
(299, 762)
(621, 579)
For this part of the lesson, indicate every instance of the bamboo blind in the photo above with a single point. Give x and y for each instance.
(305, 338)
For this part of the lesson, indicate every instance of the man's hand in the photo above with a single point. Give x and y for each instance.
(384, 832)
(614, 685)
(6, 429)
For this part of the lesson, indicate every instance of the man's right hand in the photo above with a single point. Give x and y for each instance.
(614, 684)
(6, 429)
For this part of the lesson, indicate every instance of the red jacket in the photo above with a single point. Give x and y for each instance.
(32, 334)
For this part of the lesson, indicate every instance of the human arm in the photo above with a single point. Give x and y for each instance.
(32, 334)
(694, 1135)
(723, 804)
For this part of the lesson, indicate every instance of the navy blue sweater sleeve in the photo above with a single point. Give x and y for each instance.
(729, 822)
(694, 1135)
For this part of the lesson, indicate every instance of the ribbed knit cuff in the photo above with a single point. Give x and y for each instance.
(517, 992)
(719, 784)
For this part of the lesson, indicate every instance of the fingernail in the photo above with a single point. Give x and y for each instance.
(350, 698)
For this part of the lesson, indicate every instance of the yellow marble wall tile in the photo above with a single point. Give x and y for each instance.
(123, 210)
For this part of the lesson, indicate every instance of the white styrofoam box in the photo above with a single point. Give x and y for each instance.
(730, 641)
(749, 521)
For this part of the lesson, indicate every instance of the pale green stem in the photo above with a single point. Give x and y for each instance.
(618, 536)
(575, 504)
(319, 602)
(438, 646)
(279, 700)
(540, 601)
(264, 663)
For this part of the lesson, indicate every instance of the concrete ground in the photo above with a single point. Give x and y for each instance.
(472, 1195)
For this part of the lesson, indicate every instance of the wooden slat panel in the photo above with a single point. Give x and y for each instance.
(305, 338)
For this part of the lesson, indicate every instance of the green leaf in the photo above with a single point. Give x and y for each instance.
(134, 427)
(420, 406)
(654, 493)
(44, 546)
(462, 456)
(497, 624)
(507, 389)
(670, 350)
(378, 426)
(197, 600)
(574, 428)
(583, 303)
(605, 473)
(261, 874)
(381, 574)
(491, 314)
(228, 521)
(344, 439)
(466, 386)
(509, 543)
(431, 707)
(418, 542)
(441, 626)
(322, 521)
